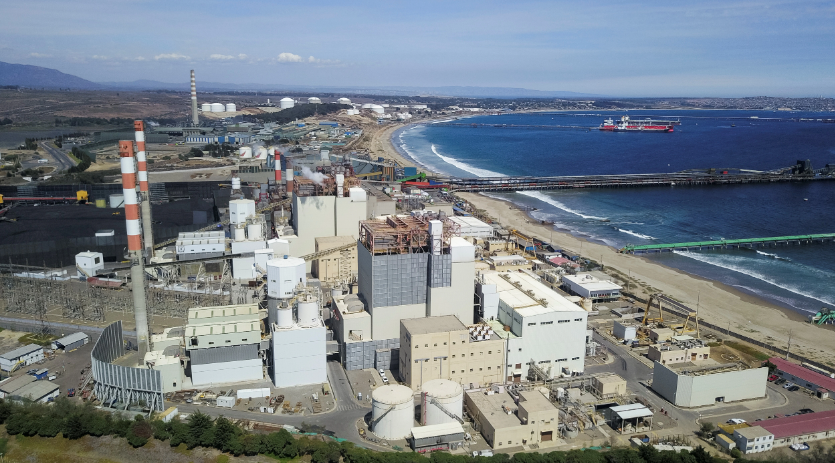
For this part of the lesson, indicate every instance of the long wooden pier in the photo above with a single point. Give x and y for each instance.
(723, 244)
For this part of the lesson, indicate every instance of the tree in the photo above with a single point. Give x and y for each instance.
(706, 429)
(139, 432)
(735, 453)
(75, 427)
(223, 433)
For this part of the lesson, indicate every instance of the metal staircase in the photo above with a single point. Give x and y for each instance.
(448, 413)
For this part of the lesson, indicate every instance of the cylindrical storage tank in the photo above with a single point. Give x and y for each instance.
(218, 107)
(283, 275)
(254, 232)
(284, 319)
(231, 107)
(240, 233)
(367, 106)
(117, 201)
(308, 312)
(206, 107)
(314, 100)
(392, 411)
(245, 152)
(343, 101)
(377, 109)
(286, 103)
(449, 394)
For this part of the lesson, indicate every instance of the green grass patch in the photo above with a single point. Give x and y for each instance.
(714, 344)
(36, 338)
(745, 349)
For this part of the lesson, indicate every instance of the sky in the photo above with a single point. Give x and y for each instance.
(626, 48)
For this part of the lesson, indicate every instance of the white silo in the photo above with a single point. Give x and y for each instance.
(218, 107)
(239, 232)
(206, 107)
(308, 312)
(314, 100)
(245, 152)
(254, 231)
(231, 108)
(392, 411)
(284, 319)
(439, 397)
(283, 275)
(377, 109)
(285, 103)
(343, 100)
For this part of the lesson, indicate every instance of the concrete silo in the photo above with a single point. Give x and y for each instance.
(392, 411)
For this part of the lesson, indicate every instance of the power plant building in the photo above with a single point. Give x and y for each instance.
(540, 326)
(689, 385)
(504, 423)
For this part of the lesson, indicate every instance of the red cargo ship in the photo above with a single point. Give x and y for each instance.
(638, 125)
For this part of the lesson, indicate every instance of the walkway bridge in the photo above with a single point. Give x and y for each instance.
(724, 244)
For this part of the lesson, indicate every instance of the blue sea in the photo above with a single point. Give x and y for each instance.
(798, 277)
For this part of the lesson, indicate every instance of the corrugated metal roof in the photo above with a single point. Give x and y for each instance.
(12, 384)
(71, 338)
(804, 373)
(37, 390)
(436, 430)
(223, 354)
(21, 351)
(799, 424)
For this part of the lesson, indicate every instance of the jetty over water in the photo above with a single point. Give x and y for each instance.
(723, 244)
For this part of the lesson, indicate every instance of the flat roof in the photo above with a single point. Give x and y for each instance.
(71, 338)
(36, 390)
(724, 437)
(21, 351)
(490, 407)
(535, 401)
(804, 373)
(224, 328)
(202, 315)
(444, 429)
(521, 301)
(591, 283)
(631, 411)
(12, 384)
(608, 379)
(753, 432)
(799, 424)
(427, 325)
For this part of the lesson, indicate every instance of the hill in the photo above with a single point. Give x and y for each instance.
(26, 75)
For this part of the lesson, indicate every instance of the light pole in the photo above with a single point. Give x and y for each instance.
(441, 368)
(422, 361)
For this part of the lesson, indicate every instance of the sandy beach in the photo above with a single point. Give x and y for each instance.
(719, 304)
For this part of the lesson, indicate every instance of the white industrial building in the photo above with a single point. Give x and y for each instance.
(590, 287)
(472, 227)
(223, 344)
(688, 385)
(545, 328)
(24, 356)
(198, 245)
(248, 231)
(89, 263)
(71, 342)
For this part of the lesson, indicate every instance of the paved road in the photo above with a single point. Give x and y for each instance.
(63, 162)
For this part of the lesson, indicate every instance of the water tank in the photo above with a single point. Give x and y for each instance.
(284, 319)
(343, 101)
(393, 410)
(377, 109)
(239, 233)
(245, 152)
(206, 107)
(449, 394)
(308, 312)
(231, 108)
(254, 232)
(218, 107)
(286, 103)
(367, 106)
(283, 275)
(314, 100)
(117, 201)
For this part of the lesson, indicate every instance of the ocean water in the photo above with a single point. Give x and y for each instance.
(797, 277)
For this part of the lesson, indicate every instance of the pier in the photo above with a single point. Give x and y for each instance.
(723, 244)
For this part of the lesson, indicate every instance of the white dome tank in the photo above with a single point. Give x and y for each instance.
(284, 318)
(308, 312)
(377, 109)
(314, 100)
(367, 106)
(240, 233)
(245, 152)
(206, 107)
(231, 108)
(447, 393)
(343, 101)
(283, 275)
(286, 103)
(393, 411)
(254, 232)
(217, 107)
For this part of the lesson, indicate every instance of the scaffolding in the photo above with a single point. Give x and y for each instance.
(404, 234)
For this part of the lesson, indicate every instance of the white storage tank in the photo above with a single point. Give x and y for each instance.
(283, 275)
(245, 152)
(367, 106)
(450, 396)
(239, 233)
(314, 100)
(206, 107)
(231, 108)
(117, 201)
(254, 232)
(218, 107)
(393, 410)
(343, 101)
(286, 103)
(284, 318)
(377, 109)
(308, 312)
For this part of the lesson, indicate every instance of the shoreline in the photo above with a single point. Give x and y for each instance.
(718, 303)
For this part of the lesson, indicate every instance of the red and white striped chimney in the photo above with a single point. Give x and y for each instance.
(277, 159)
(144, 193)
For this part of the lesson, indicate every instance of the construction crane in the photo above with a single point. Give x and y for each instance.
(647, 318)
(369, 174)
(684, 328)
(225, 222)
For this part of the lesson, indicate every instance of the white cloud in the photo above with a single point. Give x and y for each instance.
(171, 56)
(325, 62)
(242, 56)
(289, 58)
(40, 55)
(100, 57)
(218, 57)
(138, 58)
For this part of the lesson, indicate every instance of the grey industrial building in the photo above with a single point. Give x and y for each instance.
(688, 385)
(71, 342)
(25, 356)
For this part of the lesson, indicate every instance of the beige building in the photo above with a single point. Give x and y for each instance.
(326, 268)
(504, 424)
(442, 348)
(608, 386)
(666, 354)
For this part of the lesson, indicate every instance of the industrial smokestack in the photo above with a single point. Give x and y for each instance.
(340, 185)
(277, 159)
(289, 181)
(194, 120)
(144, 193)
(137, 268)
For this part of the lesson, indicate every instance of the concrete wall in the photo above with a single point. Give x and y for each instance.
(385, 321)
(699, 391)
(313, 216)
(457, 299)
(299, 357)
(666, 357)
(227, 372)
(545, 340)
(348, 214)
(326, 268)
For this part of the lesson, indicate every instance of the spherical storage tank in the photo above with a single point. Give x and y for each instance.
(231, 108)
(206, 107)
(286, 103)
(283, 275)
(218, 107)
(392, 411)
(343, 101)
(314, 100)
(450, 396)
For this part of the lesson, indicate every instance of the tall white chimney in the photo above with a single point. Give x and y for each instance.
(194, 120)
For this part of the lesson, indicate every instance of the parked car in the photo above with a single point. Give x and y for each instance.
(804, 411)
(780, 381)
(772, 378)
(788, 385)
(736, 421)
(794, 388)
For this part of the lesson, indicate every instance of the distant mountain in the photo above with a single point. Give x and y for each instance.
(25, 75)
